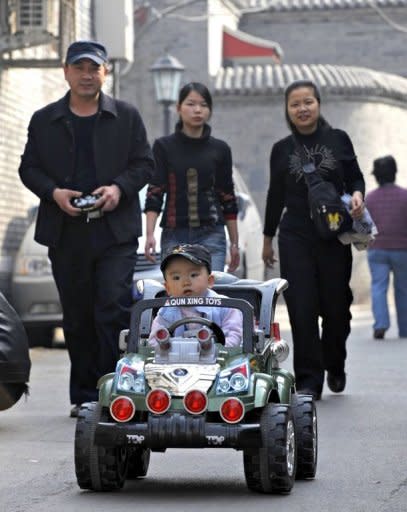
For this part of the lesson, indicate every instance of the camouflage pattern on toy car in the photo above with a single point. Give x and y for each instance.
(193, 392)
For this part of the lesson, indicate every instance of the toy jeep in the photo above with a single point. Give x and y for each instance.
(193, 392)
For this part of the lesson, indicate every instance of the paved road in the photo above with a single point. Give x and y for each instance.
(362, 447)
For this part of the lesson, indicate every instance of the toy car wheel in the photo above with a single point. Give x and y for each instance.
(305, 416)
(272, 468)
(97, 467)
(139, 460)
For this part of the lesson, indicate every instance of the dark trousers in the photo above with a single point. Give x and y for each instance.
(94, 278)
(318, 273)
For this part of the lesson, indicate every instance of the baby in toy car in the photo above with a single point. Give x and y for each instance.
(187, 273)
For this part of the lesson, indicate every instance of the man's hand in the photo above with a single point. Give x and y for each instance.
(63, 196)
(149, 248)
(110, 197)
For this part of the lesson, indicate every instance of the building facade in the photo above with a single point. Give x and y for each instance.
(32, 47)
(353, 52)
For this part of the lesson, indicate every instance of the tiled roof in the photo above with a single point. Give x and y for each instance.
(251, 80)
(292, 5)
(240, 44)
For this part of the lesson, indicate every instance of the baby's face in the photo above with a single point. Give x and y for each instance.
(183, 278)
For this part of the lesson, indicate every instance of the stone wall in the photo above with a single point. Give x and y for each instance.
(251, 123)
(185, 40)
(352, 37)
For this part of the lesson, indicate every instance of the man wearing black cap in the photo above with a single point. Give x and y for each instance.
(388, 252)
(89, 143)
(187, 271)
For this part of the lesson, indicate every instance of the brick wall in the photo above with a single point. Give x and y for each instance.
(22, 91)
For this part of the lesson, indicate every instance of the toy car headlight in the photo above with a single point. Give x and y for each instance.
(234, 379)
(126, 381)
(223, 386)
(130, 376)
(238, 382)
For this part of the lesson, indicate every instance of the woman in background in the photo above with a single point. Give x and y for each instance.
(194, 174)
(318, 271)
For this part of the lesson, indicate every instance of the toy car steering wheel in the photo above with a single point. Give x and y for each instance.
(217, 331)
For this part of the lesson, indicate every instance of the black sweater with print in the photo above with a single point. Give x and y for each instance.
(332, 153)
(195, 176)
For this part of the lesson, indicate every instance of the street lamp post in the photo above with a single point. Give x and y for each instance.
(167, 72)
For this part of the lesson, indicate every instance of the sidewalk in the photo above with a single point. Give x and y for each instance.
(361, 314)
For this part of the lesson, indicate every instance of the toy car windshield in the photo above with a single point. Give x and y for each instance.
(200, 333)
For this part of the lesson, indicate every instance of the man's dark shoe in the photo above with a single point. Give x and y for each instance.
(378, 334)
(336, 383)
(75, 411)
(307, 391)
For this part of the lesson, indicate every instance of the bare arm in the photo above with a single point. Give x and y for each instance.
(231, 226)
(149, 248)
(268, 251)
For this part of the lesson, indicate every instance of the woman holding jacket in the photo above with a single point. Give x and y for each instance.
(318, 271)
(194, 174)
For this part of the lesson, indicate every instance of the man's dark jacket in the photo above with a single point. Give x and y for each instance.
(122, 157)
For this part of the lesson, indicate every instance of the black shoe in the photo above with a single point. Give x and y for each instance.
(75, 411)
(336, 383)
(378, 334)
(306, 391)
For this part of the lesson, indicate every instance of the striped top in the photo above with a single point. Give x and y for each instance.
(388, 207)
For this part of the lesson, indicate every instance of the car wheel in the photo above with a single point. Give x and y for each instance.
(305, 417)
(97, 468)
(39, 336)
(272, 468)
(139, 460)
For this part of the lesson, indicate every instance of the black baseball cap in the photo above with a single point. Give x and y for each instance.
(86, 50)
(195, 253)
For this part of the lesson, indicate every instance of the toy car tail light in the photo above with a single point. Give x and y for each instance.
(275, 330)
(162, 335)
(195, 401)
(232, 410)
(122, 409)
(204, 337)
(158, 401)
